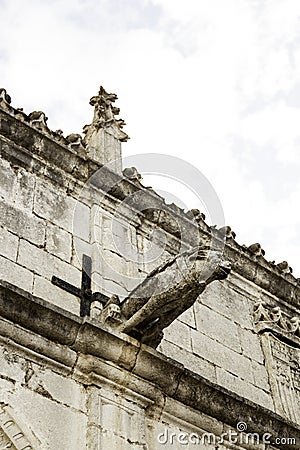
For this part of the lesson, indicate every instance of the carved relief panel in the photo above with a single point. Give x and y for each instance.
(11, 435)
(281, 346)
(283, 362)
(114, 421)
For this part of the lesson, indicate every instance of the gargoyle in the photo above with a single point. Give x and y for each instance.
(166, 293)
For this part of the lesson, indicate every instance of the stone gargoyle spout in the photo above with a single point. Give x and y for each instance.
(167, 292)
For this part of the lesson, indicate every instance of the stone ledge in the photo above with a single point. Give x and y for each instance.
(126, 354)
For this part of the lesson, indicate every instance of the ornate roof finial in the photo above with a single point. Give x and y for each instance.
(104, 115)
(104, 135)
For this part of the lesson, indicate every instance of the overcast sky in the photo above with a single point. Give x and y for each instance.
(216, 82)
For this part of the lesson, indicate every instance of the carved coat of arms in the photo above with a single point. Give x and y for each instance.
(280, 336)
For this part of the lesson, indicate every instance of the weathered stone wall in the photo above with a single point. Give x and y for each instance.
(74, 384)
(44, 397)
(49, 219)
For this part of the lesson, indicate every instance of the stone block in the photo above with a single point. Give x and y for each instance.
(120, 415)
(243, 285)
(117, 237)
(15, 274)
(24, 194)
(120, 420)
(217, 327)
(81, 221)
(261, 278)
(54, 205)
(22, 224)
(108, 287)
(251, 346)
(107, 229)
(62, 389)
(165, 436)
(189, 360)
(188, 317)
(241, 263)
(154, 366)
(58, 242)
(112, 225)
(12, 366)
(223, 299)
(81, 248)
(261, 377)
(112, 266)
(8, 181)
(180, 334)
(106, 261)
(243, 440)
(178, 435)
(44, 289)
(221, 356)
(6, 389)
(56, 426)
(46, 265)
(153, 254)
(189, 418)
(8, 244)
(109, 440)
(96, 216)
(244, 389)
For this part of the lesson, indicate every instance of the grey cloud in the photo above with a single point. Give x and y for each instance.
(259, 102)
(114, 15)
(260, 163)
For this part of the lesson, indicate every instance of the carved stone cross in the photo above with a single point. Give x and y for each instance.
(84, 292)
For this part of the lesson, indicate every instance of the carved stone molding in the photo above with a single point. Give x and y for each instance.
(275, 320)
(12, 436)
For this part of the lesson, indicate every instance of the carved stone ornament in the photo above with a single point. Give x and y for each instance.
(105, 116)
(5, 100)
(280, 337)
(275, 320)
(11, 435)
(38, 120)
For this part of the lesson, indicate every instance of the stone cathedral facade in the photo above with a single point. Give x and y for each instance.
(113, 339)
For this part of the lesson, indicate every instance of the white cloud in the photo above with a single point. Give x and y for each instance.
(202, 80)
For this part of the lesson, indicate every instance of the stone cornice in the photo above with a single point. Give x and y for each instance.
(61, 335)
